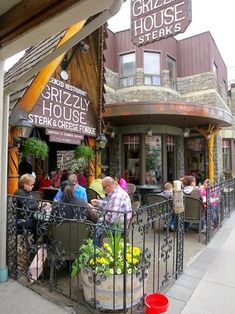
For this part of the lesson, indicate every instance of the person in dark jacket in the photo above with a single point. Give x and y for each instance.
(25, 167)
(72, 207)
(26, 205)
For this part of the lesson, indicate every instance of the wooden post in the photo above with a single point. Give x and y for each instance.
(13, 162)
(209, 133)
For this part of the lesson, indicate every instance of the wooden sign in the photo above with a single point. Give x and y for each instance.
(152, 20)
(64, 107)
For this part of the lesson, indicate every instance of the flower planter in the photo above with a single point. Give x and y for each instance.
(109, 294)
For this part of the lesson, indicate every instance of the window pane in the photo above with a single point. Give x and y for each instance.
(153, 159)
(171, 66)
(132, 158)
(127, 64)
(151, 63)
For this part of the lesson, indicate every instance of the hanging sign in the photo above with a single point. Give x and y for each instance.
(152, 20)
(64, 137)
(64, 107)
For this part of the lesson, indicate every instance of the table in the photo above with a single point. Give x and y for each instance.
(50, 193)
(147, 188)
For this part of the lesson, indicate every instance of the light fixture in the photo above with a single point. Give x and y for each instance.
(24, 126)
(83, 46)
(186, 132)
(24, 130)
(64, 74)
(150, 132)
(101, 141)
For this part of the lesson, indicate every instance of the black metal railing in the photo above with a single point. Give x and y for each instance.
(220, 202)
(130, 260)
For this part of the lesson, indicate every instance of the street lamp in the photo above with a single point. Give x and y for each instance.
(24, 127)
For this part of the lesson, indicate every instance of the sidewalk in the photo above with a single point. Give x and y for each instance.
(208, 284)
(16, 298)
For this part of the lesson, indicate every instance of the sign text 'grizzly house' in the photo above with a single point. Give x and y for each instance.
(152, 20)
(64, 107)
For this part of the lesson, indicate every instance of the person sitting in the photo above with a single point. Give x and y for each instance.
(190, 189)
(78, 191)
(44, 182)
(116, 204)
(72, 207)
(121, 181)
(168, 193)
(26, 205)
(57, 177)
(214, 198)
(82, 180)
(96, 185)
(168, 190)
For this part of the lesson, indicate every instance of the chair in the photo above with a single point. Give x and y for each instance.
(193, 212)
(131, 188)
(91, 194)
(151, 199)
(38, 195)
(66, 239)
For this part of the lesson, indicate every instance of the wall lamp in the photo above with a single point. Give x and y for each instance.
(24, 129)
(101, 141)
(186, 132)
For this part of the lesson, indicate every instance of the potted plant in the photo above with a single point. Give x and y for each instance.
(104, 269)
(35, 147)
(83, 154)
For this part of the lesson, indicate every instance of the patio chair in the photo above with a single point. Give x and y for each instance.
(38, 195)
(151, 199)
(65, 240)
(91, 194)
(131, 188)
(193, 212)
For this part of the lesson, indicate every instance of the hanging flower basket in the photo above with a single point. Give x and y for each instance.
(34, 147)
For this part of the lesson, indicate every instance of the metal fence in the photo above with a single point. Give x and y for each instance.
(106, 267)
(129, 260)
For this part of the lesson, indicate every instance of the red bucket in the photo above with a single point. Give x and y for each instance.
(156, 303)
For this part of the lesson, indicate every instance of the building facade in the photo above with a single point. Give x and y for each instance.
(166, 104)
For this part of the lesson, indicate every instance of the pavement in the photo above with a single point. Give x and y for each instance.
(206, 286)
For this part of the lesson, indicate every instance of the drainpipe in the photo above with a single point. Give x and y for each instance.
(4, 112)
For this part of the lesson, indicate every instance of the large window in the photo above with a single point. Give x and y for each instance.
(127, 69)
(132, 158)
(153, 159)
(171, 66)
(226, 152)
(152, 68)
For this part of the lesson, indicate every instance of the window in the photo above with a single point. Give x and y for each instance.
(226, 152)
(127, 70)
(132, 158)
(152, 68)
(153, 159)
(171, 67)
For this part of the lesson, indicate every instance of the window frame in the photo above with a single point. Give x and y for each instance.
(121, 77)
(150, 75)
(173, 80)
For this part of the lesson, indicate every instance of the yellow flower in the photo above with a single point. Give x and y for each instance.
(106, 245)
(92, 262)
(101, 260)
(136, 251)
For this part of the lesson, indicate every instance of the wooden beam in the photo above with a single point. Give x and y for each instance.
(28, 14)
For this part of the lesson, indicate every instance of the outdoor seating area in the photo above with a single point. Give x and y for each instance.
(152, 256)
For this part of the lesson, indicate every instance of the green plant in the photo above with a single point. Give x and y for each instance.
(84, 152)
(109, 259)
(34, 147)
